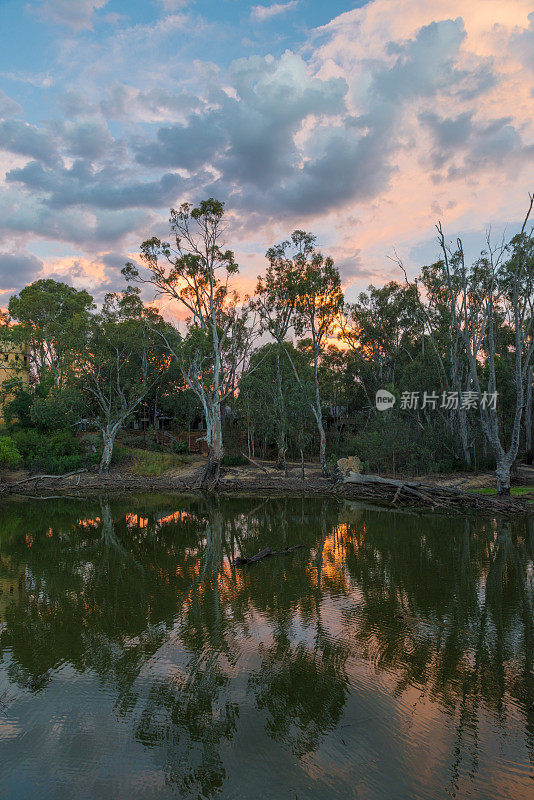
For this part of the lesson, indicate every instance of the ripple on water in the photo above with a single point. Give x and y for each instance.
(369, 664)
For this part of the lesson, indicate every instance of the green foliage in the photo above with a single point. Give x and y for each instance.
(44, 406)
(107, 366)
(392, 442)
(51, 316)
(59, 409)
(178, 448)
(18, 404)
(55, 454)
(271, 402)
(9, 454)
(234, 460)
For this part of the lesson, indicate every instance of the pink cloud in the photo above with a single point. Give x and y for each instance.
(485, 177)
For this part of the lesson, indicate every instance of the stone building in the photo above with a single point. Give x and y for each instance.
(14, 363)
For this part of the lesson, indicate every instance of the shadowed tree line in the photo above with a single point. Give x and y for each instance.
(293, 370)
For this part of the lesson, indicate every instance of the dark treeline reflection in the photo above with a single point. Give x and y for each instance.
(143, 594)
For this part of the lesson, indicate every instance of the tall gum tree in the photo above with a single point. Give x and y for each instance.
(51, 315)
(271, 399)
(302, 290)
(122, 360)
(194, 270)
(498, 289)
(379, 328)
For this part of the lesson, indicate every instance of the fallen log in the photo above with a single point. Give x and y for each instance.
(50, 477)
(255, 463)
(397, 495)
(240, 561)
(52, 496)
(394, 492)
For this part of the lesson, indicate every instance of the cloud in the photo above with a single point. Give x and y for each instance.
(171, 6)
(75, 14)
(27, 140)
(388, 115)
(106, 188)
(449, 132)
(18, 269)
(249, 138)
(524, 42)
(87, 138)
(469, 145)
(124, 103)
(8, 107)
(98, 274)
(25, 215)
(280, 139)
(262, 13)
(188, 146)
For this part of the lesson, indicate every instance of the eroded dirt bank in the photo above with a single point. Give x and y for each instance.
(441, 495)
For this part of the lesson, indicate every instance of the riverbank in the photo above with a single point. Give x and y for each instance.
(443, 494)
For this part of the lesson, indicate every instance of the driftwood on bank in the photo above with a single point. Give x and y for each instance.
(50, 477)
(255, 463)
(240, 561)
(371, 489)
(396, 492)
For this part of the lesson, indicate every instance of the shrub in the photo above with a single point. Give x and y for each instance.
(9, 455)
(234, 460)
(55, 454)
(393, 443)
(179, 448)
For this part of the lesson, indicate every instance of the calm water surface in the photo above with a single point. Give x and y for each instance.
(390, 658)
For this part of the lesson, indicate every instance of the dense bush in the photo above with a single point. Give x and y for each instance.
(178, 448)
(393, 443)
(9, 455)
(56, 454)
(234, 460)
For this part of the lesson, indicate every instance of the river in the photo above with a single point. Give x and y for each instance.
(392, 657)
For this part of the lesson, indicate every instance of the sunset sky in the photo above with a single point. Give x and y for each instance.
(364, 122)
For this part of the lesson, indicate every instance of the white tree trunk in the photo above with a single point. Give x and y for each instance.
(108, 435)
(282, 450)
(322, 446)
(462, 427)
(214, 438)
(528, 418)
(503, 476)
(282, 439)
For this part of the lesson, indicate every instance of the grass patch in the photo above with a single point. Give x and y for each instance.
(515, 490)
(148, 463)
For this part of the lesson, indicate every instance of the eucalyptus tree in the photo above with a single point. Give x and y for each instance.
(448, 348)
(302, 291)
(271, 398)
(50, 314)
(435, 344)
(194, 270)
(496, 290)
(122, 360)
(379, 328)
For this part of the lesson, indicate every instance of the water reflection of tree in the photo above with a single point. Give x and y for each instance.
(452, 615)
(188, 713)
(114, 588)
(193, 708)
(301, 687)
